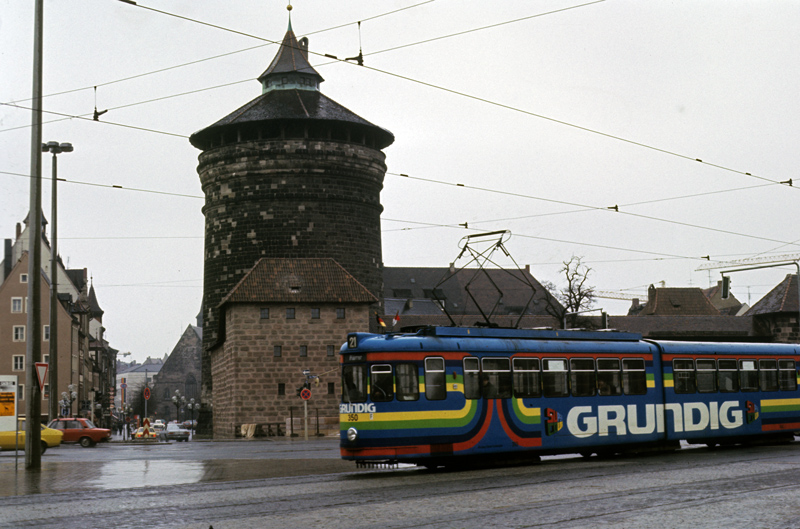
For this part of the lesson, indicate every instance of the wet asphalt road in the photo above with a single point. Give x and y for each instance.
(281, 484)
(118, 465)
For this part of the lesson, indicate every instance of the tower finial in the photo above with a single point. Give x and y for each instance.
(289, 9)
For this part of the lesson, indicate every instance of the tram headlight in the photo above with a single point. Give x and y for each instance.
(352, 434)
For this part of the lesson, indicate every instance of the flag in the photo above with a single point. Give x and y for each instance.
(396, 319)
(380, 320)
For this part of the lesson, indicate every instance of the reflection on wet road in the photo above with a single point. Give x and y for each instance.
(112, 467)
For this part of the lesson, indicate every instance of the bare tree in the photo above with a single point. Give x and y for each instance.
(576, 296)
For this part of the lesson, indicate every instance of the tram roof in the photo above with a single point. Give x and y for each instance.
(494, 339)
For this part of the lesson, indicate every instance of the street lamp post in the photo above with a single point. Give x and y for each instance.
(179, 400)
(55, 148)
(67, 398)
(192, 406)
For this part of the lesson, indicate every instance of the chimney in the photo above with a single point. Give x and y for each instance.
(635, 303)
(6, 259)
(19, 230)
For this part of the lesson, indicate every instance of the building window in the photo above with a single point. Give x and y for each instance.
(20, 392)
(46, 394)
(276, 351)
(18, 362)
(289, 314)
(19, 333)
(16, 304)
(281, 389)
(331, 388)
(46, 333)
(303, 350)
(339, 314)
(23, 278)
(331, 350)
(314, 314)
(264, 314)
(46, 359)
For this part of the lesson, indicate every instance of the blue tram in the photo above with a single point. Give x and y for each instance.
(448, 394)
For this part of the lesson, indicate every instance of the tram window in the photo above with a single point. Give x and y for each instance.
(768, 375)
(683, 375)
(526, 377)
(748, 375)
(554, 378)
(706, 376)
(634, 376)
(727, 376)
(496, 378)
(608, 379)
(582, 377)
(381, 383)
(354, 383)
(434, 379)
(407, 382)
(787, 375)
(472, 378)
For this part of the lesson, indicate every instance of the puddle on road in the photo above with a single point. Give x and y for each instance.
(138, 473)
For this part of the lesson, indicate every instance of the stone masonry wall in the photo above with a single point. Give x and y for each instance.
(287, 199)
(247, 373)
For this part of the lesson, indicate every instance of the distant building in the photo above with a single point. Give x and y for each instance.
(465, 293)
(727, 307)
(677, 302)
(776, 314)
(85, 359)
(181, 372)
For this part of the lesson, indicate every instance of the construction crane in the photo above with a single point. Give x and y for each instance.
(607, 294)
(749, 261)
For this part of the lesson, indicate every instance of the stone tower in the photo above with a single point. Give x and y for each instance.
(291, 174)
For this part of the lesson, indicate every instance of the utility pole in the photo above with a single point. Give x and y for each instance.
(33, 349)
(55, 148)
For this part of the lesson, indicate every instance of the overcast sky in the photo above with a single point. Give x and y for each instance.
(548, 113)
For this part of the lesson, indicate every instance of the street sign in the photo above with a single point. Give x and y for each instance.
(41, 374)
(305, 394)
(146, 393)
(123, 385)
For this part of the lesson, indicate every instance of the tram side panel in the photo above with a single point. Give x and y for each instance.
(718, 393)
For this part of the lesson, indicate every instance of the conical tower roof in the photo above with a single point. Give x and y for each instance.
(290, 91)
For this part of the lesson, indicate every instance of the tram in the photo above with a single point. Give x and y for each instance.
(443, 395)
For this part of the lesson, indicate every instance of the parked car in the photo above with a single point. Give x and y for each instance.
(151, 434)
(189, 425)
(50, 438)
(80, 430)
(176, 433)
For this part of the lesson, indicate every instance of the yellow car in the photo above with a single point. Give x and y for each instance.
(50, 438)
(151, 434)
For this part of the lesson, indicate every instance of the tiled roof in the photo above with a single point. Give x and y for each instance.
(298, 280)
(418, 283)
(289, 105)
(782, 298)
(677, 302)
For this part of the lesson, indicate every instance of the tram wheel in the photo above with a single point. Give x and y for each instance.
(586, 454)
